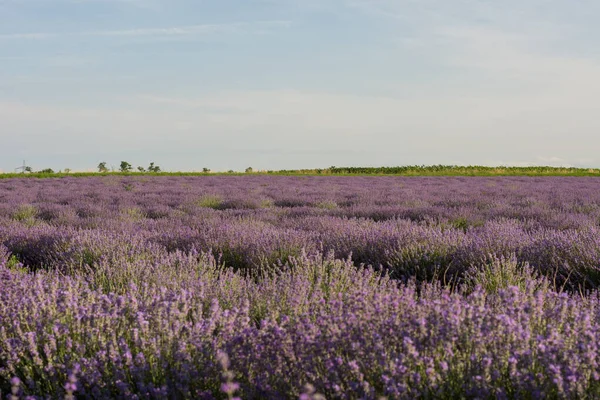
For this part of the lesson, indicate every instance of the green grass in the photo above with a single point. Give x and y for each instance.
(25, 212)
(210, 201)
(448, 170)
(410, 170)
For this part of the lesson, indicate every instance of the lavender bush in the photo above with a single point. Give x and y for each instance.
(299, 287)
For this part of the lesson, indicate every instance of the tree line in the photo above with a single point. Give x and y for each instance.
(127, 167)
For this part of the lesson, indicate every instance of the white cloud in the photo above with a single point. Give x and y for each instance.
(31, 36)
(252, 27)
(425, 128)
(294, 116)
(148, 4)
(497, 52)
(205, 29)
(511, 34)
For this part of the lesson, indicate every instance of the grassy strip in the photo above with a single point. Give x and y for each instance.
(450, 170)
(411, 170)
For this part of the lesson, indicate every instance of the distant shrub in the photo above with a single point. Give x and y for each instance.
(249, 170)
(25, 212)
(153, 168)
(266, 203)
(125, 166)
(291, 202)
(134, 213)
(328, 205)
(102, 167)
(210, 201)
(501, 273)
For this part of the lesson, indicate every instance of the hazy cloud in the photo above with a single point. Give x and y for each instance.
(260, 27)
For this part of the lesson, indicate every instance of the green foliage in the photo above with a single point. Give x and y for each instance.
(134, 214)
(25, 213)
(460, 223)
(499, 273)
(436, 170)
(153, 168)
(210, 201)
(46, 171)
(15, 265)
(327, 205)
(125, 166)
(446, 170)
(141, 169)
(206, 170)
(266, 203)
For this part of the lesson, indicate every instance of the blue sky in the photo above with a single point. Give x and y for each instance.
(273, 84)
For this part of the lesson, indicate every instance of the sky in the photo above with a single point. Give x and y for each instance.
(284, 84)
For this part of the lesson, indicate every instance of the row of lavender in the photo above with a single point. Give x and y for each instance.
(130, 298)
(410, 227)
(345, 331)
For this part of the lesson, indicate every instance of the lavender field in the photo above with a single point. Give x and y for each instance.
(277, 287)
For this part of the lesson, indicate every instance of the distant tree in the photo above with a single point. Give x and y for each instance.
(102, 167)
(205, 170)
(27, 169)
(230, 171)
(47, 171)
(153, 168)
(249, 170)
(141, 169)
(125, 166)
(67, 170)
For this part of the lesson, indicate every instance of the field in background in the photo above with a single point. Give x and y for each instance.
(411, 170)
(361, 286)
